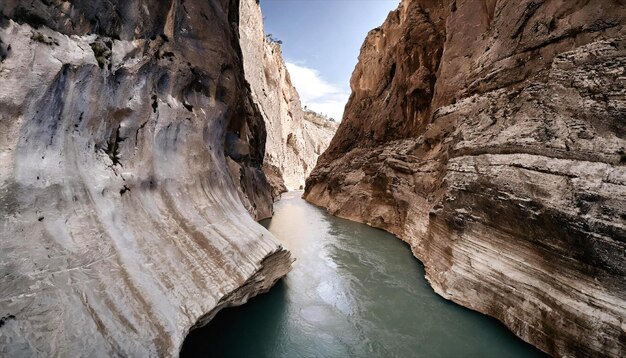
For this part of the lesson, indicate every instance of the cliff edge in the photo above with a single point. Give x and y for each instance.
(129, 146)
(295, 138)
(490, 136)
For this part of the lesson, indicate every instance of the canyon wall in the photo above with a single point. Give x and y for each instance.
(295, 139)
(130, 148)
(490, 136)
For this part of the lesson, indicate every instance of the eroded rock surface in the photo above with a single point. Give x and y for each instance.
(490, 135)
(121, 124)
(295, 138)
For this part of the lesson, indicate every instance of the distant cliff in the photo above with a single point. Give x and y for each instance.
(295, 139)
(129, 141)
(490, 136)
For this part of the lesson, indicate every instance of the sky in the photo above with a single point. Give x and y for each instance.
(321, 44)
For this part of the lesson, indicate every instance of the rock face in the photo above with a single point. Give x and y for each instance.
(121, 123)
(490, 136)
(295, 139)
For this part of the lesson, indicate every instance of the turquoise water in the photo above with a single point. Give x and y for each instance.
(354, 291)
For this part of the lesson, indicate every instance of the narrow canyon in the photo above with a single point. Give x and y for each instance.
(141, 142)
(295, 137)
(131, 147)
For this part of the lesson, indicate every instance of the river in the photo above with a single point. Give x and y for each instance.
(354, 291)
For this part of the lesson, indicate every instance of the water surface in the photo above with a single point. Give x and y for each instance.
(354, 291)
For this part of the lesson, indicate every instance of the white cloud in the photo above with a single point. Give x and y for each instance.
(316, 93)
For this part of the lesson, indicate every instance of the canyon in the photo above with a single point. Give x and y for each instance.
(131, 148)
(142, 141)
(295, 137)
(133, 171)
(490, 136)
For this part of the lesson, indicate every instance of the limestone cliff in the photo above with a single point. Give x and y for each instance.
(127, 138)
(294, 139)
(490, 136)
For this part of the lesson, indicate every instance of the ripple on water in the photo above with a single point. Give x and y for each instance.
(354, 291)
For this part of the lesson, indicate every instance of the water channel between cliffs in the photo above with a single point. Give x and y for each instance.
(354, 291)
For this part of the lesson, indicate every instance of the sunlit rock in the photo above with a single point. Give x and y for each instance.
(490, 135)
(120, 224)
(295, 138)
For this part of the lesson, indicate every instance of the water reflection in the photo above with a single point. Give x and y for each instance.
(354, 292)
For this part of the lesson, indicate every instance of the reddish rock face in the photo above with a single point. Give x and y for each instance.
(490, 136)
(394, 83)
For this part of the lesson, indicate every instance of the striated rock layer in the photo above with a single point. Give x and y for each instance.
(490, 136)
(295, 138)
(121, 123)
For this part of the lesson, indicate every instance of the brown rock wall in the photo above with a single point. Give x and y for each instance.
(511, 186)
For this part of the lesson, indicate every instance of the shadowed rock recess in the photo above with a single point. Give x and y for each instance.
(128, 143)
(490, 136)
